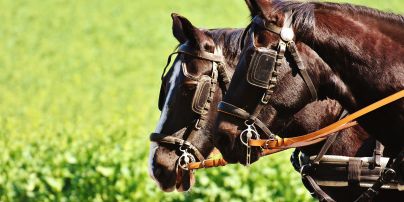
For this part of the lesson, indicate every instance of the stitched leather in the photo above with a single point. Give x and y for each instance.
(261, 67)
(201, 95)
(354, 171)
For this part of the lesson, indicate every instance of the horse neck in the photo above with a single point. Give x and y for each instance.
(364, 49)
(355, 42)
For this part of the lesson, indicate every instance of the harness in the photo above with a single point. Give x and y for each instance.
(205, 90)
(262, 73)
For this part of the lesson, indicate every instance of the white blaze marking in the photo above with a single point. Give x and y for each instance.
(172, 81)
(163, 116)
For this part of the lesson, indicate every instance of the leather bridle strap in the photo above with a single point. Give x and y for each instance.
(291, 46)
(232, 110)
(302, 69)
(185, 49)
(161, 138)
(305, 140)
(219, 59)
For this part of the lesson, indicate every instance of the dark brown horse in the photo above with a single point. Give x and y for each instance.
(178, 99)
(363, 49)
(358, 73)
(181, 116)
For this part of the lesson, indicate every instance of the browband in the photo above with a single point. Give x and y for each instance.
(185, 49)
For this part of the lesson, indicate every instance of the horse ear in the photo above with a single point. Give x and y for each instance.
(177, 28)
(254, 10)
(184, 31)
(259, 7)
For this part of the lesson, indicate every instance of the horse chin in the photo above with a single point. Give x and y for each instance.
(185, 180)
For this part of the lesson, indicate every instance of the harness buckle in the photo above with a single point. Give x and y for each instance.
(203, 164)
(264, 99)
(197, 126)
(266, 145)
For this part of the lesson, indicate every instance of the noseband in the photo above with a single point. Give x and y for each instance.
(262, 73)
(205, 90)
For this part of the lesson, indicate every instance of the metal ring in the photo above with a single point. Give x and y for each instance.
(182, 149)
(246, 122)
(197, 127)
(263, 99)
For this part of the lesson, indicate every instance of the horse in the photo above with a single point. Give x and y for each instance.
(164, 157)
(357, 73)
(272, 94)
(189, 94)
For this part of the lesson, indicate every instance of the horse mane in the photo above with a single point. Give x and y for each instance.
(228, 40)
(304, 19)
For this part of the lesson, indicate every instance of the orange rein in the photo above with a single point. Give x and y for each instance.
(272, 146)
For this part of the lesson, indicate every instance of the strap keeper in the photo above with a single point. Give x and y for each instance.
(203, 164)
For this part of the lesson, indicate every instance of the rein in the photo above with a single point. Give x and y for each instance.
(305, 140)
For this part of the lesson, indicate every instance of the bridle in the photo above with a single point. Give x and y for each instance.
(205, 90)
(262, 73)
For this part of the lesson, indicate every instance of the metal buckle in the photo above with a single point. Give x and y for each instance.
(266, 144)
(197, 126)
(203, 164)
(263, 99)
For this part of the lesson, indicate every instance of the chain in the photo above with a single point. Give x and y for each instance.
(249, 133)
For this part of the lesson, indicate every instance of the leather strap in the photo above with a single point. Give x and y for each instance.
(302, 69)
(161, 138)
(185, 49)
(305, 140)
(325, 148)
(387, 175)
(354, 171)
(321, 195)
(377, 154)
(230, 109)
(209, 163)
(329, 141)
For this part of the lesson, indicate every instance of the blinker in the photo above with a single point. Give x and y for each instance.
(201, 95)
(262, 66)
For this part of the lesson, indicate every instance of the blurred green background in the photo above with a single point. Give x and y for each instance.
(78, 98)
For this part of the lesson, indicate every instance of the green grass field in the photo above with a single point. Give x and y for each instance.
(78, 98)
